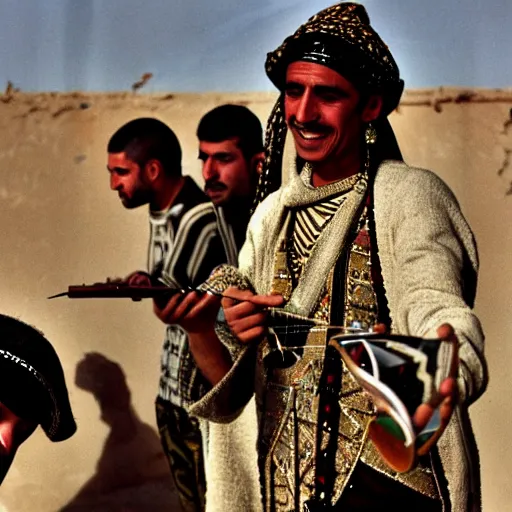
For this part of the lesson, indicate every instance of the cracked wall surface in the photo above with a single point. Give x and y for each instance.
(62, 225)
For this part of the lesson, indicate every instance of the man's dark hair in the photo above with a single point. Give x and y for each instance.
(230, 121)
(146, 139)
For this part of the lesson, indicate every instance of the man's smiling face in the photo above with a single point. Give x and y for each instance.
(322, 111)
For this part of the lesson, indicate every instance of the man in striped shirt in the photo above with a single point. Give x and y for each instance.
(144, 162)
(231, 150)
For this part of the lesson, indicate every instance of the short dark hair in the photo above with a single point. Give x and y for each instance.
(145, 139)
(230, 121)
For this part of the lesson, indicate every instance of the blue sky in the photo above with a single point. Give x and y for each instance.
(200, 45)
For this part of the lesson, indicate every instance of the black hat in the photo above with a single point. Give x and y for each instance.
(32, 383)
(341, 38)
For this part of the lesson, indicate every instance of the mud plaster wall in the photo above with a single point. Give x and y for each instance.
(61, 225)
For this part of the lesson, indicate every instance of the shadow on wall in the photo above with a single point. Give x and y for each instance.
(132, 474)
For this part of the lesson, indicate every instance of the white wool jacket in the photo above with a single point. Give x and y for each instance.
(429, 266)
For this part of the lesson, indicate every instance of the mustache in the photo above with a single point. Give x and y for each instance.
(215, 184)
(311, 126)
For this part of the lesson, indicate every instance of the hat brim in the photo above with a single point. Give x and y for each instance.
(342, 57)
(28, 395)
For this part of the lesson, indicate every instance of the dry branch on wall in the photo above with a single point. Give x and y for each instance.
(9, 92)
(436, 98)
(144, 79)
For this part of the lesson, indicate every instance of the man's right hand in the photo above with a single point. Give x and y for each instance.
(138, 278)
(247, 320)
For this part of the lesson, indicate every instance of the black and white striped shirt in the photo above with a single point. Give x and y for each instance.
(184, 247)
(309, 221)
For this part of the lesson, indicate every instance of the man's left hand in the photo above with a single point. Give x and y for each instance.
(448, 393)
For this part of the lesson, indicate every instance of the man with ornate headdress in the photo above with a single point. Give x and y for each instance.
(355, 238)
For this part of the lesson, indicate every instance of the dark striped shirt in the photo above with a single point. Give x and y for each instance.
(184, 247)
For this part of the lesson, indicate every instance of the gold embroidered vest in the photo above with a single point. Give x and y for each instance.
(290, 431)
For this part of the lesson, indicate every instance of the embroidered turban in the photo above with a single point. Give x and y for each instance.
(341, 38)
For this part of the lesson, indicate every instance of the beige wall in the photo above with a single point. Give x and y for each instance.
(62, 225)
